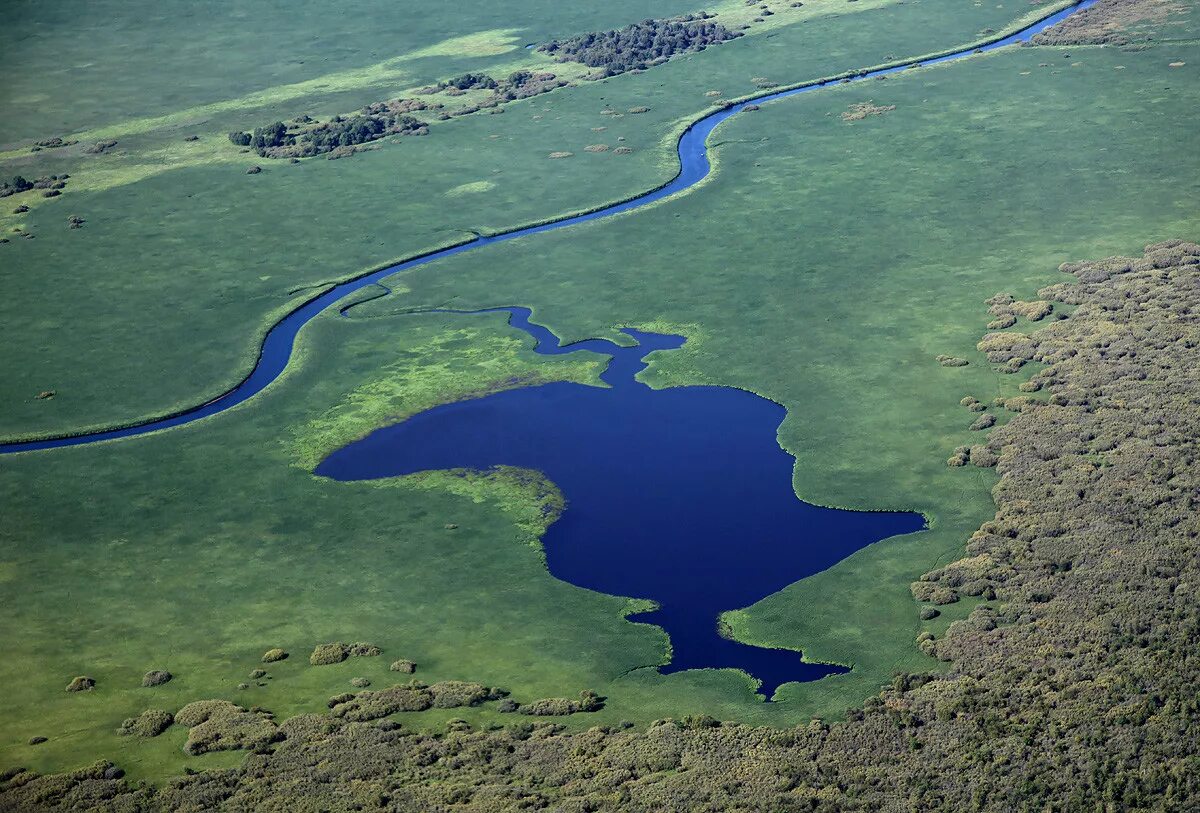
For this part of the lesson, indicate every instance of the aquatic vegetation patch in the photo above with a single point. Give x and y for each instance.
(492, 42)
(531, 502)
(471, 188)
(446, 368)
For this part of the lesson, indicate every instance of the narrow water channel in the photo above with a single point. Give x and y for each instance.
(693, 166)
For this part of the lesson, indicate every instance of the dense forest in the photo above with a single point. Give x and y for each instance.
(640, 45)
(1071, 685)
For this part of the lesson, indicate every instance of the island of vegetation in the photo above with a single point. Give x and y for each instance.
(641, 45)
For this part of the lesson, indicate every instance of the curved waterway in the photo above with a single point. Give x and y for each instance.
(681, 495)
(693, 161)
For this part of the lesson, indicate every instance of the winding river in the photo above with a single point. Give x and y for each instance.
(279, 342)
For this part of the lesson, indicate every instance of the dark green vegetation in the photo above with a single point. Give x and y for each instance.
(307, 138)
(103, 62)
(276, 141)
(18, 183)
(1092, 556)
(638, 46)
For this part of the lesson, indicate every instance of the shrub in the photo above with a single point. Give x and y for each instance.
(983, 422)
(325, 654)
(156, 677)
(149, 723)
(82, 683)
(218, 725)
(474, 81)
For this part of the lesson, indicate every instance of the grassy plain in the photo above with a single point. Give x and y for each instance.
(862, 250)
(111, 316)
(84, 67)
(849, 255)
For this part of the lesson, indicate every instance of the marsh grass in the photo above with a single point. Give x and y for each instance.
(217, 250)
(865, 252)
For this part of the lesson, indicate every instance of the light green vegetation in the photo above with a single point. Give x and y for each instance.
(215, 546)
(330, 79)
(390, 397)
(219, 254)
(91, 68)
(242, 551)
(863, 250)
(825, 264)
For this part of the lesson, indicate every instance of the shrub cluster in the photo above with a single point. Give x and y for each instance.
(19, 183)
(277, 140)
(640, 45)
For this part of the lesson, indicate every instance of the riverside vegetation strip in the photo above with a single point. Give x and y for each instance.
(1091, 557)
(214, 531)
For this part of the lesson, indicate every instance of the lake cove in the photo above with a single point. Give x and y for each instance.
(682, 496)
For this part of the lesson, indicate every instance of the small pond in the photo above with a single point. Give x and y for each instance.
(681, 495)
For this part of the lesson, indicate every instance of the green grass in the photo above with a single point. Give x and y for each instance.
(82, 66)
(214, 544)
(114, 329)
(823, 265)
(827, 263)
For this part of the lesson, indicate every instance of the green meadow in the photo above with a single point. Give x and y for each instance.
(160, 301)
(824, 264)
(85, 66)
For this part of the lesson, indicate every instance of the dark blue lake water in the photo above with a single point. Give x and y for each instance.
(680, 495)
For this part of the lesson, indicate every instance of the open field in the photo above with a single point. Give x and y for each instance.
(1088, 660)
(220, 254)
(873, 245)
(825, 264)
